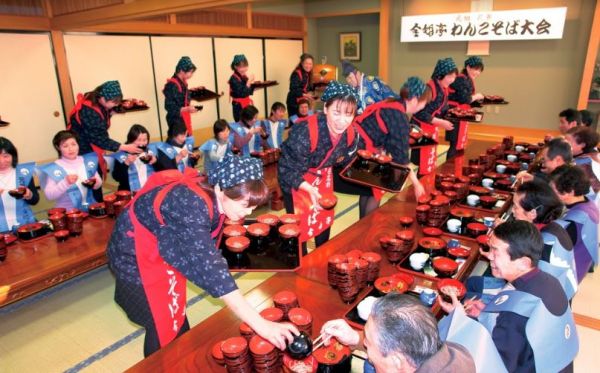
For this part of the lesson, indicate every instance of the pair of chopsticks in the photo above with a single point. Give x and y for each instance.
(505, 216)
(318, 342)
(470, 305)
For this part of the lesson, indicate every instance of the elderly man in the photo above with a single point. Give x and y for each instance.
(531, 326)
(401, 335)
(555, 154)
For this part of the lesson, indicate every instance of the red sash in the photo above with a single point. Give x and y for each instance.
(243, 101)
(81, 102)
(164, 286)
(463, 126)
(186, 116)
(313, 221)
(376, 109)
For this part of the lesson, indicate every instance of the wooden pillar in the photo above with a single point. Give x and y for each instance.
(590, 60)
(249, 15)
(384, 38)
(62, 68)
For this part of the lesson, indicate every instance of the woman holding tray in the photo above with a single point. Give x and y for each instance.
(167, 235)
(431, 117)
(384, 126)
(240, 85)
(312, 149)
(462, 94)
(300, 84)
(177, 95)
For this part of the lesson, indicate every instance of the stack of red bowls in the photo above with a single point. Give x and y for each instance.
(265, 356)
(331, 272)
(123, 195)
(271, 220)
(272, 314)
(422, 211)
(302, 319)
(59, 221)
(400, 246)
(438, 212)
(246, 331)
(374, 260)
(217, 354)
(109, 201)
(362, 273)
(236, 355)
(285, 300)
(346, 282)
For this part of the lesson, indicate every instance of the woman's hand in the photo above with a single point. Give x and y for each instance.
(446, 124)
(188, 109)
(71, 179)
(474, 307)
(130, 159)
(449, 307)
(278, 334)
(313, 192)
(28, 194)
(341, 331)
(419, 189)
(130, 148)
(524, 177)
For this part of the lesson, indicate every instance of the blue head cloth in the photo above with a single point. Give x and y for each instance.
(415, 87)
(233, 170)
(473, 61)
(443, 67)
(185, 64)
(337, 89)
(348, 68)
(237, 59)
(111, 90)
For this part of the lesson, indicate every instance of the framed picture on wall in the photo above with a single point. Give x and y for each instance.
(350, 46)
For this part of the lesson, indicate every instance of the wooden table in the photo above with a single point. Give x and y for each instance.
(33, 266)
(191, 352)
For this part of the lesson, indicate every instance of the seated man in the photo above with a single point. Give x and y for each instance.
(371, 89)
(571, 185)
(556, 153)
(568, 119)
(303, 111)
(531, 326)
(275, 125)
(401, 335)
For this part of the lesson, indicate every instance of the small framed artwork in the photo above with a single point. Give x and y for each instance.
(350, 46)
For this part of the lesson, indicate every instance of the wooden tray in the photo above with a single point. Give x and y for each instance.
(389, 177)
(501, 195)
(476, 118)
(122, 110)
(264, 84)
(478, 218)
(271, 260)
(203, 94)
(485, 102)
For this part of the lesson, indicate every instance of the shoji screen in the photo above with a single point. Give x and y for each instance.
(166, 51)
(282, 56)
(225, 49)
(29, 97)
(94, 59)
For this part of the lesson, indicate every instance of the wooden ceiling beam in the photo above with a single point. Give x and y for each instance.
(131, 10)
(24, 23)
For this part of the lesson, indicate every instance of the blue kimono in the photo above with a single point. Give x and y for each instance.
(238, 135)
(275, 139)
(80, 200)
(15, 212)
(167, 151)
(132, 177)
(209, 149)
(371, 90)
(295, 118)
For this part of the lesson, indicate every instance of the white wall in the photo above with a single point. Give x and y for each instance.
(282, 56)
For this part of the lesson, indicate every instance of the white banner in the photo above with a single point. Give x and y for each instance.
(526, 24)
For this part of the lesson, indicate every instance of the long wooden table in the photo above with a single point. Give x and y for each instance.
(191, 352)
(36, 265)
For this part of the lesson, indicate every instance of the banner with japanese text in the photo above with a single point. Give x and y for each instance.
(527, 24)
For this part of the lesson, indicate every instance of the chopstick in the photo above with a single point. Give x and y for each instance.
(318, 342)
(468, 306)
(507, 214)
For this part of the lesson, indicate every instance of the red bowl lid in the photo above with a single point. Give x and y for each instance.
(234, 222)
(289, 230)
(308, 365)
(384, 240)
(440, 201)
(61, 233)
(56, 216)
(423, 208)
(260, 346)
(234, 345)
(361, 263)
(237, 244)
(57, 210)
(234, 230)
(479, 189)
(463, 213)
(433, 243)
(259, 229)
(268, 219)
(489, 199)
(451, 194)
(346, 267)
(96, 206)
(406, 235)
(447, 184)
(73, 211)
(406, 220)
(371, 257)
(382, 158)
(444, 286)
(123, 193)
(337, 258)
(354, 253)
(120, 203)
(365, 154)
(424, 199)
(286, 296)
(299, 316)
(408, 279)
(477, 227)
(110, 198)
(491, 175)
(432, 231)
(459, 252)
(483, 239)
(245, 328)
(445, 264)
(290, 219)
(216, 352)
(272, 314)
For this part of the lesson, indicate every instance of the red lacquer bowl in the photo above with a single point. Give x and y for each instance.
(300, 316)
(285, 297)
(258, 229)
(328, 201)
(445, 267)
(234, 230)
(237, 244)
(447, 285)
(289, 230)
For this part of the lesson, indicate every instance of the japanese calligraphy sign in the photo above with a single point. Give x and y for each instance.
(527, 24)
